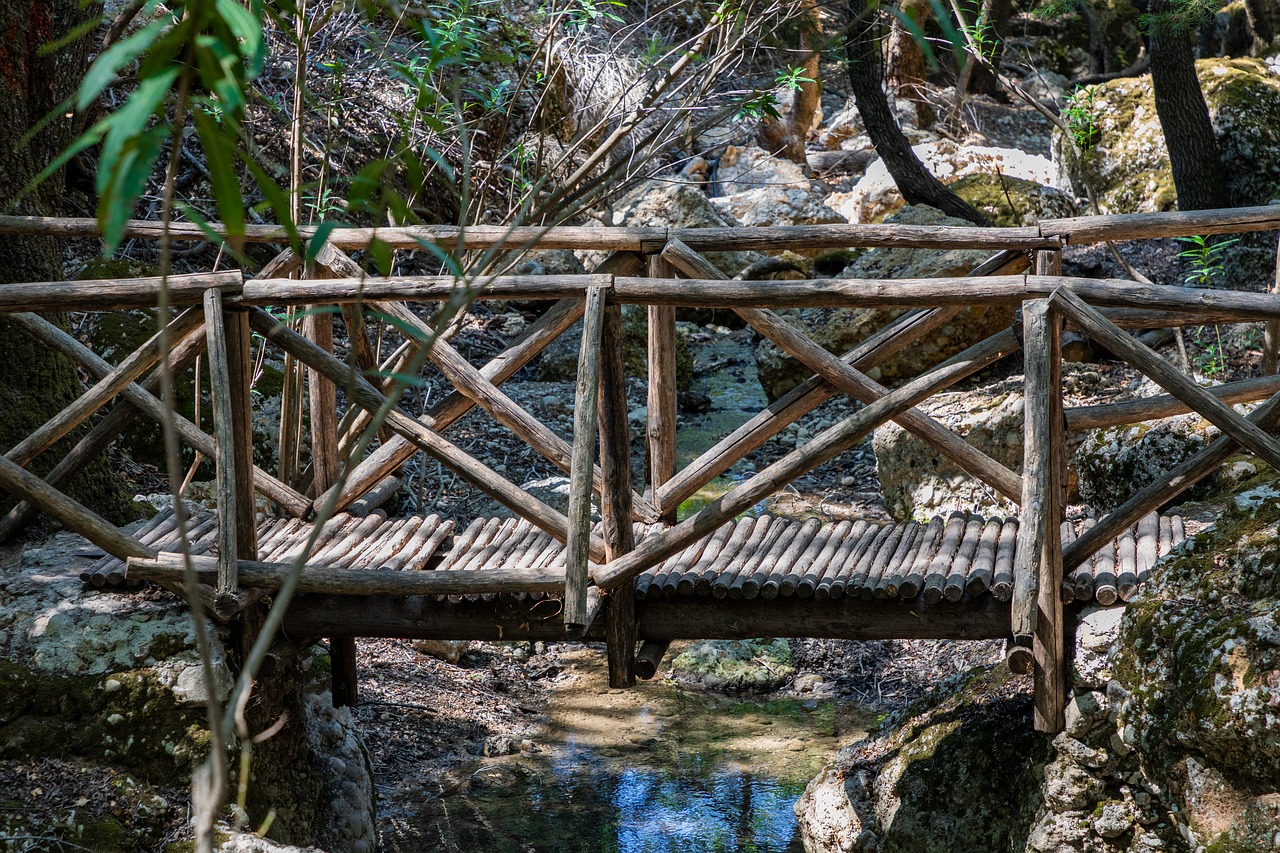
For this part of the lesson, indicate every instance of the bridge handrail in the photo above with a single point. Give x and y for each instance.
(1047, 234)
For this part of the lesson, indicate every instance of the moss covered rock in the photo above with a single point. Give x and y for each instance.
(1129, 166)
(1010, 202)
(956, 771)
(736, 665)
(1199, 664)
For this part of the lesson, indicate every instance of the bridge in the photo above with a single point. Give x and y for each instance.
(639, 578)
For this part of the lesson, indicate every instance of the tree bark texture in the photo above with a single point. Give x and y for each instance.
(786, 135)
(35, 384)
(866, 76)
(1184, 116)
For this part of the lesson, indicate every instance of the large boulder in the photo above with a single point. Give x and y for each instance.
(676, 203)
(839, 329)
(1198, 667)
(957, 771)
(1128, 167)
(875, 195)
(105, 692)
(755, 188)
(1116, 462)
(919, 483)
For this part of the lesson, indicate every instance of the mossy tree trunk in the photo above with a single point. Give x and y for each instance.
(1184, 116)
(34, 385)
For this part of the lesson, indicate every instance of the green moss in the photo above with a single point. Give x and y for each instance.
(1009, 202)
(136, 726)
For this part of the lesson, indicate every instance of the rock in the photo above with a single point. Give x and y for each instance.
(676, 204)
(735, 666)
(875, 195)
(1097, 629)
(1198, 660)
(559, 360)
(955, 772)
(1084, 711)
(752, 168)
(1129, 166)
(755, 188)
(839, 329)
(449, 651)
(778, 206)
(494, 776)
(1114, 463)
(1009, 202)
(918, 482)
(114, 684)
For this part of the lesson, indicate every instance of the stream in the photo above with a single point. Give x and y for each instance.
(654, 769)
(658, 768)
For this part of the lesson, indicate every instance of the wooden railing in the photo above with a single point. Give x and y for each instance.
(1025, 271)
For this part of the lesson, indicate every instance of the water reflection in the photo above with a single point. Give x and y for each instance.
(581, 802)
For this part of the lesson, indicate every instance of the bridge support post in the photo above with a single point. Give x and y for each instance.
(1038, 588)
(661, 438)
(615, 498)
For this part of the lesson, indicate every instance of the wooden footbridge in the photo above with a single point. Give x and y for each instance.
(637, 579)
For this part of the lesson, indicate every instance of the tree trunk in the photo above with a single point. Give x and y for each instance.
(917, 185)
(1184, 116)
(786, 135)
(35, 385)
(905, 66)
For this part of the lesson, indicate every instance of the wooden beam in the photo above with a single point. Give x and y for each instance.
(585, 435)
(822, 448)
(615, 499)
(363, 394)
(857, 384)
(658, 620)
(113, 294)
(227, 590)
(559, 317)
(1166, 488)
(1044, 479)
(133, 366)
(489, 397)
(103, 433)
(1149, 226)
(1168, 377)
(814, 391)
(294, 503)
(660, 439)
(1084, 418)
(255, 574)
(21, 483)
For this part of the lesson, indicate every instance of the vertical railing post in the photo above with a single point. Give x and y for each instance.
(661, 433)
(615, 498)
(586, 419)
(1037, 602)
(229, 366)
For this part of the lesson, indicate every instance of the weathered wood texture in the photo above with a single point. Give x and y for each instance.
(113, 294)
(586, 420)
(822, 448)
(1048, 234)
(363, 394)
(662, 412)
(1045, 470)
(146, 401)
(1084, 418)
(849, 379)
(615, 498)
(558, 318)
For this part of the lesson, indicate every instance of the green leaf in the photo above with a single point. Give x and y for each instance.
(318, 239)
(276, 198)
(107, 66)
(219, 149)
(133, 165)
(247, 28)
(382, 255)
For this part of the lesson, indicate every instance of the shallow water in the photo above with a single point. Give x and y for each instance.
(652, 770)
